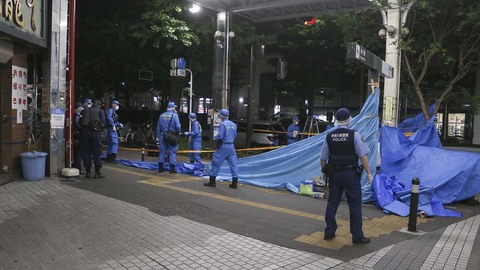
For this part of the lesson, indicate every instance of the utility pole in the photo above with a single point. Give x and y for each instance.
(394, 17)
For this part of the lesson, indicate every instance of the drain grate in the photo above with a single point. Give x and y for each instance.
(182, 209)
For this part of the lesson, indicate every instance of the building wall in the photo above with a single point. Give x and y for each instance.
(14, 135)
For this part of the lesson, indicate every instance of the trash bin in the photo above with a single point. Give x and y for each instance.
(33, 165)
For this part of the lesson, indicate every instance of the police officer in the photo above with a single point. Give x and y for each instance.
(77, 128)
(112, 135)
(87, 103)
(93, 122)
(168, 121)
(342, 149)
(225, 150)
(293, 131)
(195, 135)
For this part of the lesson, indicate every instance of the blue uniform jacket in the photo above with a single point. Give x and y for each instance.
(164, 122)
(227, 132)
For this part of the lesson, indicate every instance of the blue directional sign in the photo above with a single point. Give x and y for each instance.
(181, 63)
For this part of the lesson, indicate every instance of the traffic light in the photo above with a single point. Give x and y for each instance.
(282, 69)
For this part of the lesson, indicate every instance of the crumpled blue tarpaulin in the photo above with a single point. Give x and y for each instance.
(394, 197)
(452, 175)
(286, 167)
(417, 122)
(185, 168)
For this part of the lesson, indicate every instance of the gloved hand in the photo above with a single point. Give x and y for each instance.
(370, 178)
(120, 125)
(186, 133)
(114, 128)
(157, 139)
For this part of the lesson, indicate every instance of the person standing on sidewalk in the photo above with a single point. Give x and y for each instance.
(112, 135)
(195, 140)
(293, 131)
(342, 149)
(225, 150)
(77, 147)
(168, 121)
(93, 122)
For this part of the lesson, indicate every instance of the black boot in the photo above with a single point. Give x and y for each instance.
(172, 169)
(108, 158)
(160, 167)
(211, 183)
(98, 174)
(88, 173)
(114, 158)
(234, 183)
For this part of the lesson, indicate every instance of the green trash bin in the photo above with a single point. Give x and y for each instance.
(33, 165)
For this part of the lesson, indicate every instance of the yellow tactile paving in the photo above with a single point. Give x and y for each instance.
(373, 227)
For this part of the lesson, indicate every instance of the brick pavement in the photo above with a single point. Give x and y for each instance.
(50, 225)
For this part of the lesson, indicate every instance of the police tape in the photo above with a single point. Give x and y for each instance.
(201, 151)
(282, 132)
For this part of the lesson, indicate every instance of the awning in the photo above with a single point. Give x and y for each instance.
(272, 10)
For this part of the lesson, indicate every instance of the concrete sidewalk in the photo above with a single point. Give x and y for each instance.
(50, 225)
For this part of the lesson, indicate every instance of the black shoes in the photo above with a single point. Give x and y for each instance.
(172, 169)
(234, 183)
(98, 175)
(160, 167)
(211, 183)
(328, 237)
(364, 240)
(88, 174)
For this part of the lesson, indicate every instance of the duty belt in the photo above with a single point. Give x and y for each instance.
(341, 167)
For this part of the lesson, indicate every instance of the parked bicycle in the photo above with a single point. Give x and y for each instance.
(143, 136)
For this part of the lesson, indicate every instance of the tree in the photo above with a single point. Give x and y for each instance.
(442, 48)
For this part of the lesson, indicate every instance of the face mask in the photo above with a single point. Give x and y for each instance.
(296, 123)
(116, 107)
(89, 105)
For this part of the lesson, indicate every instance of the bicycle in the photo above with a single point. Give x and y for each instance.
(144, 136)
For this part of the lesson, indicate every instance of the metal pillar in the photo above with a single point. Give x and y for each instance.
(218, 65)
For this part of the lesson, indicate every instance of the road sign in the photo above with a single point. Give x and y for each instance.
(173, 72)
(181, 63)
(362, 55)
(181, 72)
(173, 63)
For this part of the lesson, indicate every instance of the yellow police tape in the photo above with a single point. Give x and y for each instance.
(283, 132)
(202, 151)
(212, 151)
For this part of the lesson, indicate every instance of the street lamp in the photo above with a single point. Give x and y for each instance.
(222, 40)
(195, 8)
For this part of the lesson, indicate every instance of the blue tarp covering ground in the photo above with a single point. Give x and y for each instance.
(446, 176)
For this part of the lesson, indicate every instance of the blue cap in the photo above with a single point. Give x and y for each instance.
(342, 114)
(295, 119)
(115, 102)
(192, 115)
(171, 105)
(224, 112)
(87, 101)
(78, 105)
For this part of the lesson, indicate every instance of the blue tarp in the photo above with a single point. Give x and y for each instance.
(453, 175)
(446, 176)
(286, 167)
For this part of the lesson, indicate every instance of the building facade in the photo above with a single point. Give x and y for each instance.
(33, 67)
